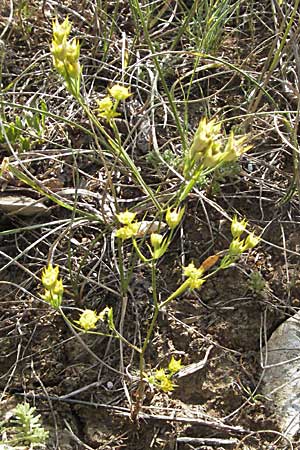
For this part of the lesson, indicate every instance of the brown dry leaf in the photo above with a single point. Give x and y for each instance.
(209, 262)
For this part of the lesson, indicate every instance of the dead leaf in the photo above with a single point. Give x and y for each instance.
(21, 205)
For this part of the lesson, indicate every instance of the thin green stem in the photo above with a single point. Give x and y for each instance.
(118, 150)
(159, 69)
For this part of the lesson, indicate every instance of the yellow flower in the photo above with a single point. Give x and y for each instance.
(58, 288)
(194, 275)
(160, 374)
(72, 51)
(174, 217)
(166, 385)
(58, 51)
(238, 226)
(156, 240)
(174, 365)
(206, 134)
(88, 320)
(126, 217)
(73, 69)
(212, 156)
(128, 231)
(235, 148)
(236, 247)
(106, 104)
(119, 92)
(50, 276)
(192, 272)
(61, 30)
(251, 241)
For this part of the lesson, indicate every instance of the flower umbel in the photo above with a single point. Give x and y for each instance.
(54, 288)
(66, 55)
(129, 231)
(162, 378)
(107, 107)
(208, 150)
(194, 276)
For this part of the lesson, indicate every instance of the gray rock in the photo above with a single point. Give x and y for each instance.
(281, 379)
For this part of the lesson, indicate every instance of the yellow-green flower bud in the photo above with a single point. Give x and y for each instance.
(58, 51)
(60, 66)
(53, 299)
(88, 320)
(238, 226)
(173, 218)
(73, 69)
(119, 92)
(61, 30)
(156, 240)
(234, 148)
(251, 241)
(58, 288)
(159, 244)
(206, 134)
(236, 247)
(73, 51)
(50, 276)
(212, 156)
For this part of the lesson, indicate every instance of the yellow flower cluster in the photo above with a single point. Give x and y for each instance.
(132, 229)
(194, 276)
(65, 55)
(88, 318)
(207, 149)
(53, 286)
(238, 245)
(162, 379)
(107, 107)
